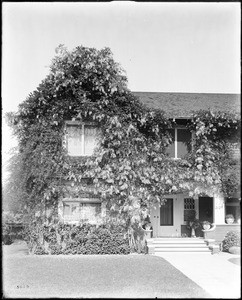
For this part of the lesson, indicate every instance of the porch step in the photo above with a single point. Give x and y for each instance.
(185, 245)
(157, 245)
(181, 249)
(178, 241)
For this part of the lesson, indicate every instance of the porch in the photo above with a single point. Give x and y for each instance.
(171, 218)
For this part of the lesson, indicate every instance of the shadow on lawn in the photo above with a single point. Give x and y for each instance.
(235, 260)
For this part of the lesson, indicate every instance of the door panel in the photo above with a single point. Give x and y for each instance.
(155, 219)
(206, 209)
(166, 213)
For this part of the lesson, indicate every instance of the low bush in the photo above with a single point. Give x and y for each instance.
(76, 239)
(7, 236)
(231, 239)
(39, 250)
(11, 227)
(234, 250)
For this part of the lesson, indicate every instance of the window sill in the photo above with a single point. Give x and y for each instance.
(176, 158)
(82, 200)
(79, 156)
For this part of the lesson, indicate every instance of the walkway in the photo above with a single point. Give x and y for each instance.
(218, 274)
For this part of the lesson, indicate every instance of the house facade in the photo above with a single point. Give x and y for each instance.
(170, 219)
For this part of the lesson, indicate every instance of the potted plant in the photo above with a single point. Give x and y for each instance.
(229, 219)
(206, 225)
(192, 222)
(148, 226)
(148, 229)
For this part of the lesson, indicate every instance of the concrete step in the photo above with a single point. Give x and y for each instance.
(180, 245)
(178, 240)
(181, 249)
(157, 245)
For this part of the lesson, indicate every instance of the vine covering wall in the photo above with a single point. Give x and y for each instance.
(129, 170)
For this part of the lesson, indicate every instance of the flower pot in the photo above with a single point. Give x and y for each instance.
(206, 226)
(148, 233)
(229, 220)
(193, 234)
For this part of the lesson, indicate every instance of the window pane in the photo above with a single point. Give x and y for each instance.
(71, 211)
(166, 213)
(170, 150)
(233, 207)
(90, 212)
(74, 140)
(90, 139)
(189, 207)
(183, 142)
(67, 210)
(78, 211)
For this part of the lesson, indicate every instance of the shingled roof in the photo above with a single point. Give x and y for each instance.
(182, 105)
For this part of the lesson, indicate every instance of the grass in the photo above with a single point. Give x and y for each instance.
(93, 276)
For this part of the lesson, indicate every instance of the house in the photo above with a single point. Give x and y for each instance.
(168, 219)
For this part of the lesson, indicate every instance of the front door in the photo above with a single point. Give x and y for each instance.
(166, 219)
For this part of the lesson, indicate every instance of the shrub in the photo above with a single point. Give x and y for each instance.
(39, 250)
(11, 227)
(234, 250)
(77, 239)
(231, 239)
(55, 249)
(7, 235)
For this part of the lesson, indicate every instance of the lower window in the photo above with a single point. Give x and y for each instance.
(232, 206)
(81, 211)
(166, 213)
(189, 208)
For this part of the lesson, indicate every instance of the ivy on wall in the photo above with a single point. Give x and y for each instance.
(130, 170)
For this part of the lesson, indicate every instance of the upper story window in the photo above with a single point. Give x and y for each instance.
(181, 142)
(81, 138)
(233, 146)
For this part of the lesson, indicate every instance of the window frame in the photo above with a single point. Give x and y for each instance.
(188, 209)
(236, 204)
(175, 139)
(82, 125)
(80, 201)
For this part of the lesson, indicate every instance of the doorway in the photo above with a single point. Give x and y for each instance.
(206, 209)
(167, 218)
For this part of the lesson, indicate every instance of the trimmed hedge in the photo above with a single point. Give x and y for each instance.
(77, 239)
(231, 239)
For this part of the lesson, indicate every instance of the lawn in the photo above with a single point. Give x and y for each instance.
(111, 276)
